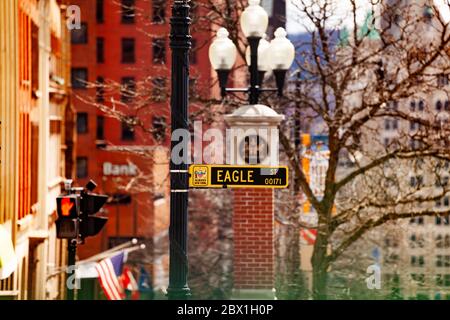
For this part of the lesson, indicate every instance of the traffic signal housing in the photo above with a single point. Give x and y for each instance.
(68, 210)
(91, 224)
(77, 211)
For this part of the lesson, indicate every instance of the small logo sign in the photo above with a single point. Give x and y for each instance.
(228, 176)
(200, 176)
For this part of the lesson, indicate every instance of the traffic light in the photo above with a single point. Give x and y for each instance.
(68, 209)
(91, 224)
(77, 212)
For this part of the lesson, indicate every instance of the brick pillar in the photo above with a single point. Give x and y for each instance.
(253, 223)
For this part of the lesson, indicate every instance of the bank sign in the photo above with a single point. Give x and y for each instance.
(229, 176)
(110, 169)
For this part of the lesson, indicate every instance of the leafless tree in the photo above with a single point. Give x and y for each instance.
(371, 88)
(356, 83)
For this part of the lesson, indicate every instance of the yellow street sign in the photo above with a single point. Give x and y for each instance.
(230, 176)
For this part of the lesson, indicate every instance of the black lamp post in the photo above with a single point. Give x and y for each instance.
(180, 43)
(261, 56)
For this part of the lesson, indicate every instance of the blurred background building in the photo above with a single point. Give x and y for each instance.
(35, 142)
(413, 254)
(121, 84)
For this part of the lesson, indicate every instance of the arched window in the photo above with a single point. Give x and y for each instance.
(421, 105)
(438, 105)
(255, 149)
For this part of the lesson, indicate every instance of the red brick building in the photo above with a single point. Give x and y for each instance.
(120, 79)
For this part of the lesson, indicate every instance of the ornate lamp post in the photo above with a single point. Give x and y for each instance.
(180, 43)
(261, 55)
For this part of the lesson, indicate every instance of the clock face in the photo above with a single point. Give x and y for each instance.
(254, 149)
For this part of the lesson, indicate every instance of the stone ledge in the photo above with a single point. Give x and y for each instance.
(253, 294)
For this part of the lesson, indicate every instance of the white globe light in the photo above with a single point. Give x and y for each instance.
(222, 52)
(254, 20)
(281, 51)
(263, 55)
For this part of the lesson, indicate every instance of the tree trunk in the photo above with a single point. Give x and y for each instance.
(294, 281)
(291, 284)
(320, 265)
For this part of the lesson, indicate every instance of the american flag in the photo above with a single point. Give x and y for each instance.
(109, 270)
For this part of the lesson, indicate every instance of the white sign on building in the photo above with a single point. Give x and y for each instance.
(110, 169)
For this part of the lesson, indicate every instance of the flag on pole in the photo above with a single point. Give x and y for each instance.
(129, 283)
(145, 285)
(109, 270)
(128, 280)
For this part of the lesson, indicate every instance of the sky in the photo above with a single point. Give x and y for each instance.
(296, 23)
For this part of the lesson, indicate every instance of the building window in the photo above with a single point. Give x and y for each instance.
(159, 11)
(416, 241)
(82, 167)
(100, 85)
(79, 36)
(443, 280)
(159, 89)
(442, 80)
(418, 220)
(100, 11)
(128, 129)
(393, 105)
(414, 125)
(441, 181)
(391, 258)
(128, 11)
(100, 127)
(159, 51)
(442, 220)
(128, 50)
(390, 124)
(34, 57)
(79, 78)
(447, 105)
(193, 52)
(193, 92)
(417, 261)
(419, 279)
(421, 105)
(416, 182)
(415, 144)
(254, 149)
(442, 241)
(159, 128)
(127, 89)
(100, 50)
(438, 105)
(391, 241)
(82, 122)
(442, 261)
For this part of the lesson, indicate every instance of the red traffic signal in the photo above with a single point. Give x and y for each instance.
(68, 209)
(68, 206)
